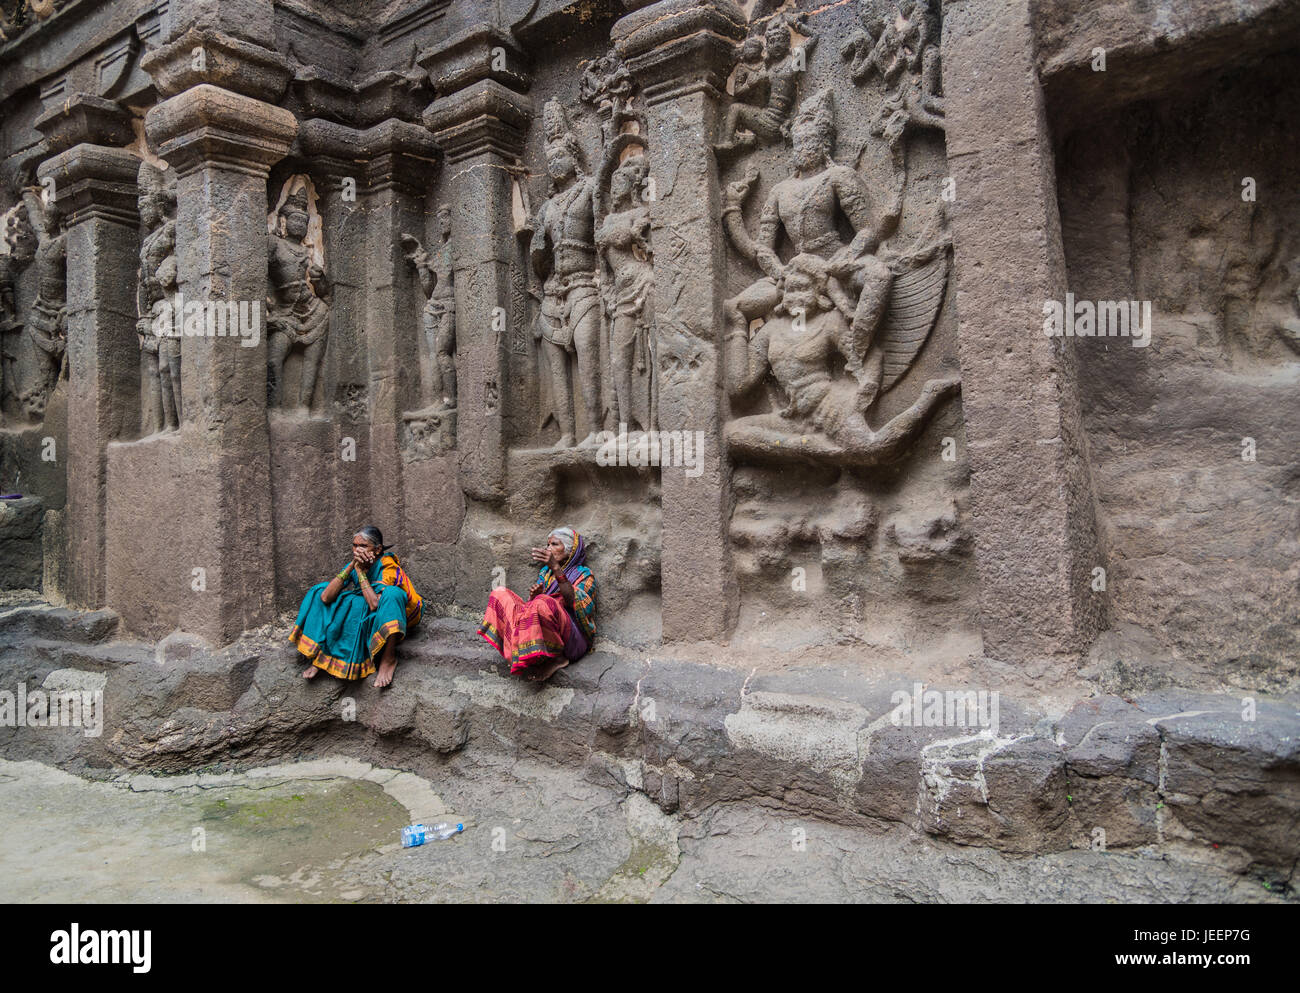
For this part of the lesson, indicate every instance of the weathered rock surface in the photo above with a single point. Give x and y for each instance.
(1177, 773)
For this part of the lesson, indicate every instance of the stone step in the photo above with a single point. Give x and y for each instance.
(38, 621)
(1170, 772)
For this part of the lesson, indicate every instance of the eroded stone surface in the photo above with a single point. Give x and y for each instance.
(1181, 774)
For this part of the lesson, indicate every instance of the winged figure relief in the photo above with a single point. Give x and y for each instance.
(865, 302)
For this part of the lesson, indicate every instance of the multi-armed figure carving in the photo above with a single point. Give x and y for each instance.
(437, 281)
(607, 87)
(300, 292)
(156, 282)
(830, 298)
(563, 253)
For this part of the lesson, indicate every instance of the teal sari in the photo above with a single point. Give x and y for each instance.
(346, 637)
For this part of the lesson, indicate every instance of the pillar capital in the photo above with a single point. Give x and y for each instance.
(205, 56)
(390, 94)
(84, 118)
(210, 126)
(484, 117)
(391, 152)
(676, 47)
(399, 153)
(480, 52)
(94, 181)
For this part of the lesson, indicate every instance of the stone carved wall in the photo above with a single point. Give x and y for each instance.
(733, 224)
(841, 330)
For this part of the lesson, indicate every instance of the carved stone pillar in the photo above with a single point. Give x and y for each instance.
(1032, 495)
(480, 123)
(95, 190)
(222, 143)
(678, 50)
(399, 172)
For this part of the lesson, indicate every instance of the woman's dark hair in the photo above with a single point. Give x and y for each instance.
(373, 535)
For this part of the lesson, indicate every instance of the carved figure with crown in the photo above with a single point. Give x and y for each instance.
(298, 317)
(563, 254)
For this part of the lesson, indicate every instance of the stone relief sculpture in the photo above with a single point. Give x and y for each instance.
(17, 249)
(8, 309)
(899, 42)
(563, 254)
(16, 16)
(623, 237)
(607, 87)
(764, 94)
(299, 299)
(436, 275)
(870, 305)
(157, 282)
(48, 322)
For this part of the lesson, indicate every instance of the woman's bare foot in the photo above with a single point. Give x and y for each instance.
(310, 672)
(544, 672)
(385, 674)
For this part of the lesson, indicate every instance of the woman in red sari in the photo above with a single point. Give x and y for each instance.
(556, 624)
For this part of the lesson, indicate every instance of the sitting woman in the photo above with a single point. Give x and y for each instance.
(557, 623)
(359, 615)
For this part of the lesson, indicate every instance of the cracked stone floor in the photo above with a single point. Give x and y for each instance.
(327, 830)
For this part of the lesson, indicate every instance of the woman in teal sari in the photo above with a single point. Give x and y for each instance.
(358, 616)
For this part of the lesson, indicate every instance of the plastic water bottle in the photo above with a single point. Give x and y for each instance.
(417, 834)
(413, 835)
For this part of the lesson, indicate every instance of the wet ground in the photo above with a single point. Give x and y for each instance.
(328, 831)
